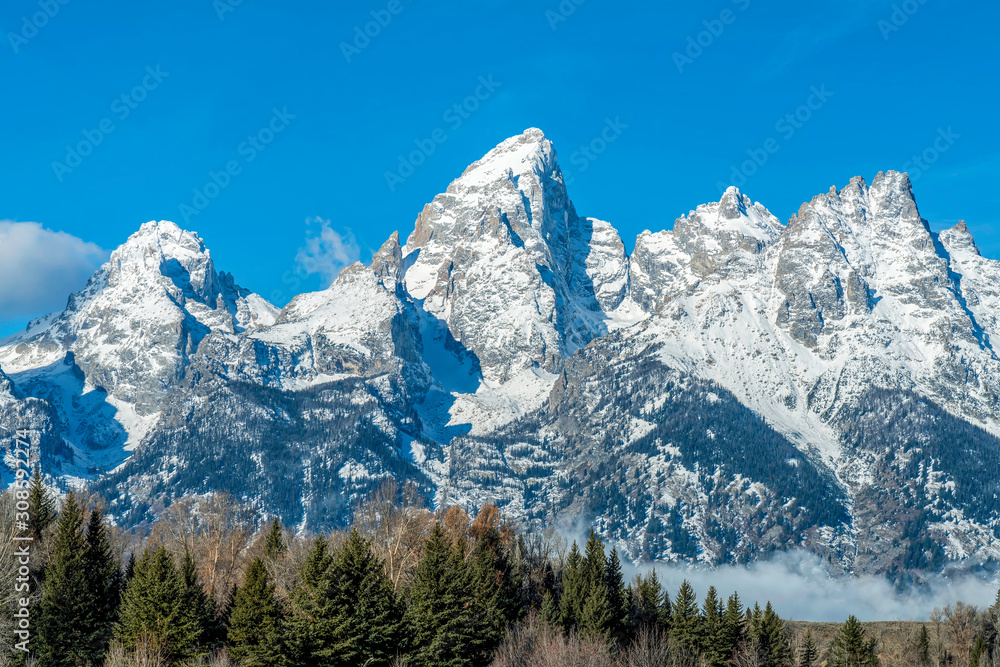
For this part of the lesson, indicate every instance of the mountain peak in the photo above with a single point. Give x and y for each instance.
(526, 153)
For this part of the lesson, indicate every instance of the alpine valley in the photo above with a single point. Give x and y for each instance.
(733, 388)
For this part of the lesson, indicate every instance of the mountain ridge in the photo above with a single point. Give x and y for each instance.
(512, 347)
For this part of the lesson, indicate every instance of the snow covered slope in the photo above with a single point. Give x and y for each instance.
(733, 387)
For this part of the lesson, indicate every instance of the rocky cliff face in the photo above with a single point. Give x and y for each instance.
(732, 387)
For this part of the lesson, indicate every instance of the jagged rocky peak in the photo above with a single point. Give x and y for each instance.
(959, 239)
(387, 263)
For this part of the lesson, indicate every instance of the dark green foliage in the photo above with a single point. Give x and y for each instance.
(274, 542)
(850, 648)
(254, 624)
(686, 621)
(574, 591)
(715, 641)
(809, 653)
(158, 604)
(441, 616)
(549, 614)
(104, 578)
(617, 597)
(924, 647)
(495, 589)
(773, 639)
(41, 506)
(978, 652)
(733, 624)
(646, 597)
(201, 605)
(68, 609)
(309, 602)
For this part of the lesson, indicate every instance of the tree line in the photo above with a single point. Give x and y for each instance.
(403, 586)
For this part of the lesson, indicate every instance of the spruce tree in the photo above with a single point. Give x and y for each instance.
(596, 615)
(714, 631)
(495, 588)
(809, 653)
(156, 604)
(274, 542)
(104, 578)
(201, 606)
(367, 620)
(685, 621)
(574, 593)
(617, 597)
(441, 617)
(774, 642)
(309, 606)
(549, 614)
(850, 648)
(67, 608)
(924, 648)
(647, 600)
(41, 505)
(254, 624)
(734, 624)
(978, 652)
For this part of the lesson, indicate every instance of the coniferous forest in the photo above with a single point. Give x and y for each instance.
(212, 584)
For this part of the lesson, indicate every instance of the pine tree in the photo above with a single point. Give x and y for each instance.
(685, 620)
(978, 652)
(734, 624)
(574, 592)
(809, 652)
(596, 615)
(924, 648)
(202, 607)
(714, 630)
(441, 617)
(255, 620)
(850, 648)
(274, 542)
(67, 608)
(156, 604)
(646, 595)
(495, 589)
(549, 614)
(617, 597)
(103, 575)
(129, 570)
(774, 639)
(309, 606)
(41, 505)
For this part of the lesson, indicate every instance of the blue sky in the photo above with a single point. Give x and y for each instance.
(694, 89)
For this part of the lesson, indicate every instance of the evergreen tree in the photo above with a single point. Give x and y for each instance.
(924, 647)
(274, 542)
(495, 589)
(596, 619)
(102, 572)
(310, 606)
(574, 591)
(157, 604)
(41, 505)
(255, 620)
(617, 596)
(646, 595)
(441, 615)
(129, 571)
(850, 648)
(714, 631)
(809, 653)
(773, 639)
(367, 620)
(685, 621)
(978, 652)
(201, 606)
(67, 609)
(549, 614)
(733, 624)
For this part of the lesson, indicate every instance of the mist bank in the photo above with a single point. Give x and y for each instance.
(802, 587)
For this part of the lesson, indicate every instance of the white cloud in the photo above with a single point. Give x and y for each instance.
(40, 268)
(326, 250)
(801, 587)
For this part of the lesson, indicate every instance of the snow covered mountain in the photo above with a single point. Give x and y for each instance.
(731, 388)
